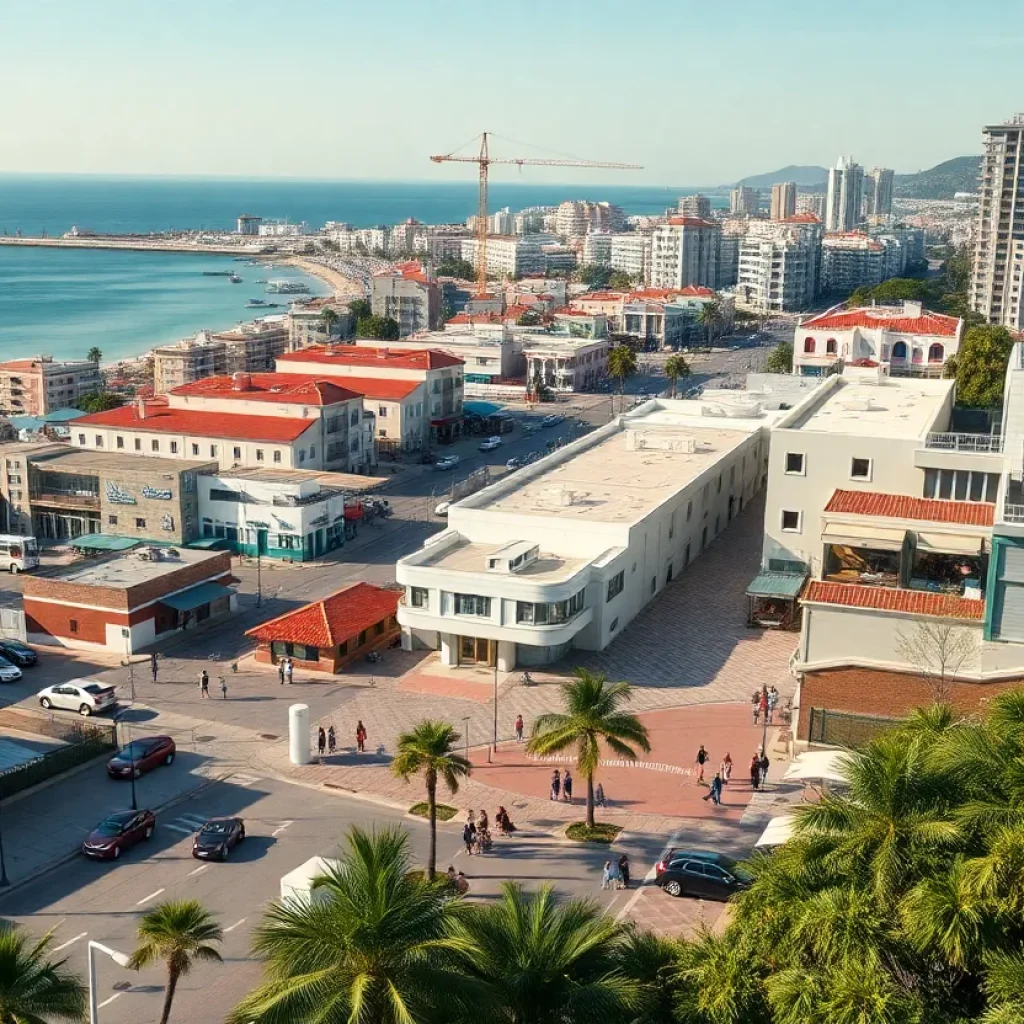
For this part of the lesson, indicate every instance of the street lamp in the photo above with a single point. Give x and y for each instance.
(121, 959)
(466, 720)
(131, 755)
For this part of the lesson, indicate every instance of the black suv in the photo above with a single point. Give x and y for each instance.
(18, 653)
(711, 876)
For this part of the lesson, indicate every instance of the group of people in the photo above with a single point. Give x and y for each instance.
(561, 785)
(285, 669)
(616, 874)
(758, 772)
(204, 685)
(327, 741)
(763, 702)
(758, 769)
(476, 833)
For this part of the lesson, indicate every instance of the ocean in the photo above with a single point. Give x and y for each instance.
(62, 302)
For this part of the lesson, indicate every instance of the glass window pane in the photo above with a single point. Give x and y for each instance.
(977, 486)
(931, 482)
(945, 484)
(960, 490)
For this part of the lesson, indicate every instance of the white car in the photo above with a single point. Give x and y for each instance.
(81, 695)
(490, 444)
(8, 671)
(442, 509)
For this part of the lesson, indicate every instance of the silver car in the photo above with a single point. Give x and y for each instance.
(81, 695)
(8, 671)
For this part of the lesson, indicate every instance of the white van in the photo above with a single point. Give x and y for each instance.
(18, 553)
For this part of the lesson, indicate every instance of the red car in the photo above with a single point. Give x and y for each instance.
(118, 831)
(141, 755)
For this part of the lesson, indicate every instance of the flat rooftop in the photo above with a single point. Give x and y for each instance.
(125, 569)
(75, 460)
(900, 408)
(469, 557)
(342, 481)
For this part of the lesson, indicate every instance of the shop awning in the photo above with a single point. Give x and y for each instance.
(104, 542)
(776, 584)
(867, 536)
(826, 765)
(196, 596)
(480, 408)
(950, 543)
(777, 831)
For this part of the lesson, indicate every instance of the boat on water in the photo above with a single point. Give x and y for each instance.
(235, 279)
(261, 304)
(287, 287)
(261, 280)
(218, 273)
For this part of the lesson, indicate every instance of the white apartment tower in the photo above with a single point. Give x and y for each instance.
(686, 251)
(845, 193)
(878, 194)
(778, 264)
(695, 206)
(999, 234)
(783, 200)
(743, 201)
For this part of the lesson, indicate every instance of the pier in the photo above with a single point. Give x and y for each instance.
(140, 243)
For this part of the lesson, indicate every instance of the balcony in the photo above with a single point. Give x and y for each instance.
(56, 498)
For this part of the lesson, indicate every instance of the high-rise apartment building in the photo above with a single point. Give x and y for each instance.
(783, 200)
(845, 195)
(999, 234)
(778, 264)
(878, 184)
(695, 206)
(811, 202)
(686, 251)
(743, 201)
(37, 386)
(406, 294)
(631, 253)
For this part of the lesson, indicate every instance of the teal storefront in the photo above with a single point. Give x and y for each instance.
(278, 540)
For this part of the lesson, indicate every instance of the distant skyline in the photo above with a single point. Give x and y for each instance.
(700, 95)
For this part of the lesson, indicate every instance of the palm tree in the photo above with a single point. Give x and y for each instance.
(375, 947)
(592, 715)
(675, 367)
(709, 317)
(180, 933)
(428, 749)
(328, 317)
(621, 364)
(94, 355)
(545, 962)
(33, 988)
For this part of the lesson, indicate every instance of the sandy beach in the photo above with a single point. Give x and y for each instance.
(345, 288)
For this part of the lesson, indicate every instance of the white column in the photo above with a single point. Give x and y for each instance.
(449, 649)
(298, 734)
(506, 655)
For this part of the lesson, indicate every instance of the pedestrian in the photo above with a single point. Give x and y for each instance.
(289, 668)
(599, 795)
(153, 665)
(321, 741)
(471, 817)
(332, 743)
(280, 670)
(556, 784)
(763, 763)
(462, 884)
(624, 870)
(204, 684)
(716, 789)
(469, 836)
(223, 688)
(762, 702)
(606, 877)
(701, 758)
(726, 767)
(755, 702)
(519, 728)
(616, 875)
(755, 772)
(773, 699)
(361, 737)
(567, 787)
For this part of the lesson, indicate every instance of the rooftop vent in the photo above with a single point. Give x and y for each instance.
(513, 557)
(241, 381)
(659, 441)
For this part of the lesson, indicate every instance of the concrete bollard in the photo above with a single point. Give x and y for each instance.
(298, 733)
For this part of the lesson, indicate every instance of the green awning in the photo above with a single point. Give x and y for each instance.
(206, 543)
(776, 584)
(196, 596)
(104, 542)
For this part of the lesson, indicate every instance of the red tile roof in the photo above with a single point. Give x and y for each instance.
(697, 289)
(196, 423)
(569, 311)
(803, 218)
(489, 317)
(289, 388)
(601, 297)
(902, 506)
(386, 388)
(692, 222)
(889, 599)
(411, 271)
(891, 318)
(351, 355)
(333, 620)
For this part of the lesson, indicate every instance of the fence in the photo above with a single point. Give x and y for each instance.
(54, 762)
(845, 730)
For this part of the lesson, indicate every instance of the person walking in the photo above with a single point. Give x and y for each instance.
(599, 795)
(701, 759)
(567, 787)
(716, 789)
(519, 728)
(755, 773)
(773, 699)
(280, 670)
(204, 684)
(606, 877)
(762, 702)
(332, 743)
(321, 741)
(153, 665)
(755, 703)
(361, 737)
(289, 668)
(469, 836)
(556, 784)
(763, 763)
(223, 688)
(726, 767)
(624, 870)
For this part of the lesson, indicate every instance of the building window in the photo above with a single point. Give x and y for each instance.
(277, 455)
(860, 469)
(830, 347)
(936, 353)
(808, 346)
(795, 463)
(138, 444)
(354, 418)
(302, 455)
(312, 451)
(236, 453)
(213, 451)
(99, 440)
(81, 439)
(791, 521)
(140, 524)
(174, 447)
(155, 445)
(419, 597)
(259, 455)
(195, 449)
(899, 350)
(472, 604)
(119, 442)
(382, 411)
(616, 585)
(111, 520)
(552, 613)
(73, 625)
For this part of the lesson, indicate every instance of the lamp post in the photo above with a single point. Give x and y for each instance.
(466, 720)
(121, 959)
(495, 703)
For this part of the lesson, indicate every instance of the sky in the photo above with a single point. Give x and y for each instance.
(699, 93)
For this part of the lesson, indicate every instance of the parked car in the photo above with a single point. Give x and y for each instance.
(18, 653)
(117, 832)
(442, 509)
(490, 444)
(142, 755)
(448, 462)
(551, 421)
(217, 838)
(703, 873)
(8, 672)
(81, 695)
(516, 462)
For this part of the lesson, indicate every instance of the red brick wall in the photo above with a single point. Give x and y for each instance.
(864, 691)
(55, 619)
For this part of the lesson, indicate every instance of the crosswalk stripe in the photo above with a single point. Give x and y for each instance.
(245, 780)
(179, 828)
(64, 945)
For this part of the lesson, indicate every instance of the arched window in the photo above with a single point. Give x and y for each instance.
(899, 350)
(918, 356)
(830, 347)
(935, 353)
(809, 346)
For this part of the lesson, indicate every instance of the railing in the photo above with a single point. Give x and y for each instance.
(1013, 513)
(978, 443)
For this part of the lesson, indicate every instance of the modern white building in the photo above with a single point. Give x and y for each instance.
(631, 253)
(853, 260)
(778, 264)
(685, 251)
(511, 255)
(564, 553)
(597, 249)
(743, 201)
(845, 195)
(696, 205)
(878, 191)
(564, 363)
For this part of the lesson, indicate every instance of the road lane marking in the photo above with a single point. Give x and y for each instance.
(202, 867)
(191, 819)
(64, 945)
(107, 1002)
(234, 926)
(146, 899)
(281, 827)
(649, 877)
(180, 828)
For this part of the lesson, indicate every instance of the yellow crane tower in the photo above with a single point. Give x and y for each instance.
(484, 160)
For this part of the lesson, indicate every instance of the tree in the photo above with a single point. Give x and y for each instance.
(676, 367)
(35, 989)
(622, 364)
(428, 750)
(593, 715)
(374, 947)
(452, 267)
(594, 275)
(99, 401)
(540, 961)
(94, 355)
(328, 317)
(937, 648)
(360, 309)
(894, 290)
(710, 317)
(981, 366)
(530, 318)
(619, 280)
(780, 359)
(180, 933)
(383, 328)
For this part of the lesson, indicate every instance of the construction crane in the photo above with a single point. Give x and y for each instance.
(484, 160)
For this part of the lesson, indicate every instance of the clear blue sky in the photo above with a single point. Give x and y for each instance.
(697, 92)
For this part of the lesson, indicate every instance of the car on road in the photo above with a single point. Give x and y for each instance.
(141, 755)
(551, 421)
(448, 462)
(81, 695)
(8, 672)
(703, 873)
(490, 444)
(217, 838)
(18, 653)
(442, 509)
(118, 832)
(516, 462)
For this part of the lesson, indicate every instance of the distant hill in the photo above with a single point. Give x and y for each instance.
(940, 182)
(806, 177)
